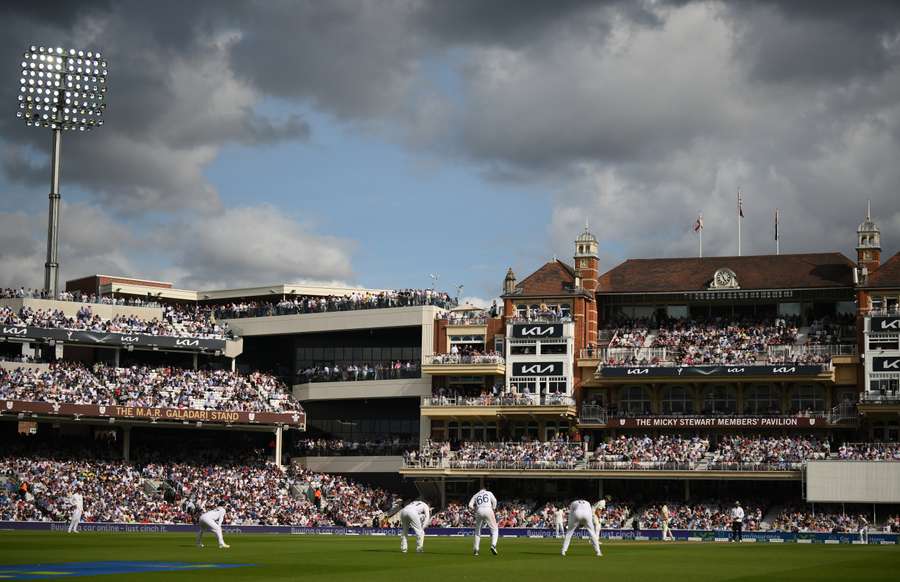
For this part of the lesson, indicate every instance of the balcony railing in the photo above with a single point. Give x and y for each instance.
(594, 413)
(786, 466)
(461, 360)
(540, 318)
(880, 397)
(480, 320)
(601, 465)
(506, 399)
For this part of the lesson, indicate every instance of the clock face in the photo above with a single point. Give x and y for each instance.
(867, 255)
(724, 279)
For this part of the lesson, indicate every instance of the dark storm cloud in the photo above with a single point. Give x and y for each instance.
(173, 100)
(806, 41)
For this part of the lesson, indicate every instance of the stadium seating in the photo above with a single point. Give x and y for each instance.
(72, 383)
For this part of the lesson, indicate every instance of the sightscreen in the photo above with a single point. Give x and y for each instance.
(852, 482)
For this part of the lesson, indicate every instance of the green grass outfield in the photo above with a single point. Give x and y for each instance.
(370, 559)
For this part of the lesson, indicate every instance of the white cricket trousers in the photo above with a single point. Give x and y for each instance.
(209, 525)
(560, 529)
(583, 519)
(484, 516)
(666, 531)
(410, 520)
(76, 519)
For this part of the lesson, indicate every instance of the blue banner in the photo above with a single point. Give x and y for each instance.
(611, 534)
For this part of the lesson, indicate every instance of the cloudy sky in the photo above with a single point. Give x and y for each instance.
(375, 143)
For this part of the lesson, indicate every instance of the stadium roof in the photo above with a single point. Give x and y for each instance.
(804, 271)
(887, 275)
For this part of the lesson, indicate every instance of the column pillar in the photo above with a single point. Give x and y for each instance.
(443, 492)
(196, 358)
(117, 357)
(233, 364)
(126, 441)
(279, 438)
(599, 488)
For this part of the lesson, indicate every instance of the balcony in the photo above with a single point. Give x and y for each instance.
(506, 404)
(810, 362)
(460, 365)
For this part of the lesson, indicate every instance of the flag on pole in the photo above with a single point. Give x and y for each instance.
(698, 226)
(740, 204)
(776, 224)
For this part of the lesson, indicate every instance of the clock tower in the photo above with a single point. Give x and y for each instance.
(868, 246)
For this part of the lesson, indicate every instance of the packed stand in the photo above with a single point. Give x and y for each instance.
(629, 334)
(650, 451)
(530, 455)
(699, 516)
(794, 519)
(177, 321)
(71, 383)
(350, 302)
(869, 452)
(254, 492)
(780, 452)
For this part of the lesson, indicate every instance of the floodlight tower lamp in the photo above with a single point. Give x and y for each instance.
(63, 90)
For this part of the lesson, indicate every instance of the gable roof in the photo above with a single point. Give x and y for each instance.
(553, 278)
(803, 271)
(887, 275)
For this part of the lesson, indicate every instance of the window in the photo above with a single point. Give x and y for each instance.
(885, 386)
(677, 400)
(719, 400)
(554, 348)
(762, 399)
(808, 397)
(634, 400)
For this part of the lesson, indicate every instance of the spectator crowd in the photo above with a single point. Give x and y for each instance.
(72, 383)
(353, 301)
(254, 492)
(176, 321)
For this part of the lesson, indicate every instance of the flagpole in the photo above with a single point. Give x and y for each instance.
(740, 219)
(698, 228)
(777, 240)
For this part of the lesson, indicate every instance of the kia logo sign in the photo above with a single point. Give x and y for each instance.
(537, 369)
(14, 331)
(537, 331)
(885, 324)
(886, 364)
(186, 343)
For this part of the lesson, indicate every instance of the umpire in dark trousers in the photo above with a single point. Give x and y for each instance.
(737, 522)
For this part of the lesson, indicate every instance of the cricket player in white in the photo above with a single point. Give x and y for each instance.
(416, 517)
(581, 515)
(77, 502)
(664, 518)
(737, 522)
(211, 521)
(483, 504)
(559, 522)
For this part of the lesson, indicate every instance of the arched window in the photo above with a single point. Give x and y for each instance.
(677, 400)
(634, 400)
(719, 400)
(762, 399)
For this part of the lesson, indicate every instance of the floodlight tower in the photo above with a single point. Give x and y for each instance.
(64, 90)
